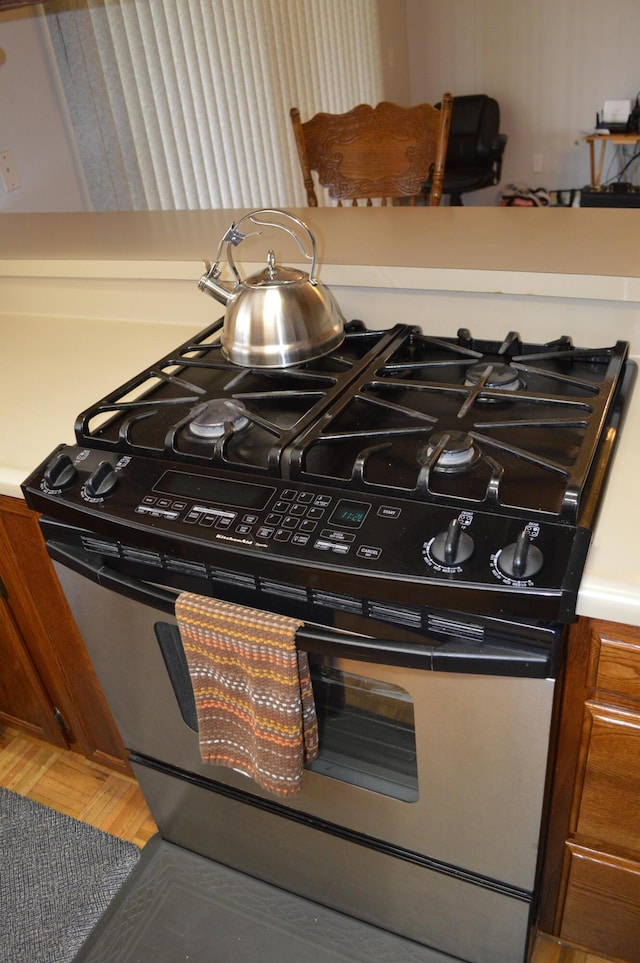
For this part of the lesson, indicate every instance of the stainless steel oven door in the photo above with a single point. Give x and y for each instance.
(467, 786)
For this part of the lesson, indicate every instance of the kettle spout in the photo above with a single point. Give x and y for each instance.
(211, 285)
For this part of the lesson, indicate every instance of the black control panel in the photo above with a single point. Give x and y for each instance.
(320, 534)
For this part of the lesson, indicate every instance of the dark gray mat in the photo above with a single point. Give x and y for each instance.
(179, 906)
(57, 877)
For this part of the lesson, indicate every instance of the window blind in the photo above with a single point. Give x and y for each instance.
(185, 103)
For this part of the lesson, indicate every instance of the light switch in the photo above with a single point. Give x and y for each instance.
(8, 172)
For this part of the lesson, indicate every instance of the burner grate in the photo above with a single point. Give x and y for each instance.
(152, 414)
(507, 426)
(531, 447)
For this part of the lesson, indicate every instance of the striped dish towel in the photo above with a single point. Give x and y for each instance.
(252, 691)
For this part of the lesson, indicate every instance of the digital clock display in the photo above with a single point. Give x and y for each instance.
(349, 514)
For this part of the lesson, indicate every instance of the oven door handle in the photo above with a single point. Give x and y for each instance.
(451, 655)
(310, 638)
(132, 588)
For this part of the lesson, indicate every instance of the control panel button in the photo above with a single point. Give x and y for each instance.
(298, 509)
(389, 511)
(299, 539)
(338, 536)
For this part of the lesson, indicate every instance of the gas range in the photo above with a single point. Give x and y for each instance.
(422, 506)
(398, 474)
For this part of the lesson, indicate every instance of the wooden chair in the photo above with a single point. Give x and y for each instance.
(385, 152)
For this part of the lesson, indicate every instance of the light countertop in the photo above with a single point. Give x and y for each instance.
(586, 253)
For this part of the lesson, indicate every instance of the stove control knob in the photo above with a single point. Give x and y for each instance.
(102, 481)
(60, 472)
(521, 559)
(453, 547)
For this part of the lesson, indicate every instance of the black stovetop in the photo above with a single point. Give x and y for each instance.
(506, 425)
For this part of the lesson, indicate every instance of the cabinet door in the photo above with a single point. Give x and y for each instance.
(51, 639)
(609, 807)
(23, 698)
(617, 669)
(601, 905)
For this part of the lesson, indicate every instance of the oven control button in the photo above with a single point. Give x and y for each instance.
(102, 481)
(522, 559)
(60, 472)
(453, 547)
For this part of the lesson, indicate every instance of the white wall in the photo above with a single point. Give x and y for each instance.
(33, 122)
(551, 64)
(394, 51)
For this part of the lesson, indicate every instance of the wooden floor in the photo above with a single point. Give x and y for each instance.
(71, 784)
(109, 801)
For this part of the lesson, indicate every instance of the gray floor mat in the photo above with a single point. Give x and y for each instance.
(180, 906)
(57, 878)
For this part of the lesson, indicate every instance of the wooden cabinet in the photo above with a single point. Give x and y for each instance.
(591, 881)
(47, 684)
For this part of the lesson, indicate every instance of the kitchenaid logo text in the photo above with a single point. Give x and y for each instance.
(240, 541)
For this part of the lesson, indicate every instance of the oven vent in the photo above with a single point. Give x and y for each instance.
(142, 556)
(186, 568)
(396, 613)
(345, 603)
(102, 546)
(460, 630)
(232, 578)
(285, 589)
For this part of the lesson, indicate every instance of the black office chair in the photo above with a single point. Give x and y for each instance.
(476, 146)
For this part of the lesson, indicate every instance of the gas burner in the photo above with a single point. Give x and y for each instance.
(494, 375)
(211, 418)
(458, 451)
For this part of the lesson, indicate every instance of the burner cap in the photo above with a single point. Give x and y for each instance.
(458, 454)
(500, 375)
(211, 417)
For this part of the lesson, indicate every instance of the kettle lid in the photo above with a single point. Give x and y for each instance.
(274, 274)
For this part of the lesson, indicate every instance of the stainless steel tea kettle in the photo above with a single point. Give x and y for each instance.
(280, 316)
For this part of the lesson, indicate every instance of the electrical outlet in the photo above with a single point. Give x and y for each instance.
(8, 171)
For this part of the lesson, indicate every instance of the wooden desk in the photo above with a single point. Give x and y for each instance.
(618, 140)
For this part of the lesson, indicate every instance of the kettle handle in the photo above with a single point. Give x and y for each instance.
(233, 237)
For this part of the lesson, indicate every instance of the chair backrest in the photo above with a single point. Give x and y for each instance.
(475, 123)
(385, 152)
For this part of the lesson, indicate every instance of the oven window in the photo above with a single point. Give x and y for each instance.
(366, 728)
(367, 732)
